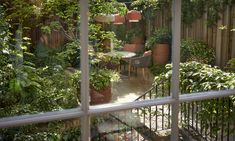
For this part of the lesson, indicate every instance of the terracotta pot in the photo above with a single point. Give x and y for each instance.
(133, 16)
(100, 97)
(137, 40)
(118, 19)
(104, 18)
(133, 47)
(160, 54)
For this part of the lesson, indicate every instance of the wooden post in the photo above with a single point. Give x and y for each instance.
(218, 42)
(225, 43)
(233, 33)
(204, 19)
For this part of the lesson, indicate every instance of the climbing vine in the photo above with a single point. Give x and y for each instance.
(191, 9)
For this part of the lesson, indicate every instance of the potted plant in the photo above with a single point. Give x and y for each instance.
(134, 39)
(135, 35)
(159, 44)
(119, 19)
(100, 85)
(104, 11)
(133, 16)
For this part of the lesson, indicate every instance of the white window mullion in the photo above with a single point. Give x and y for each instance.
(85, 119)
(176, 24)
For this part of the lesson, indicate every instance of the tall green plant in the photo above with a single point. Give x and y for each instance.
(36, 89)
(161, 36)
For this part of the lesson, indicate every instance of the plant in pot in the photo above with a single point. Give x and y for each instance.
(159, 43)
(100, 85)
(103, 11)
(134, 39)
(135, 35)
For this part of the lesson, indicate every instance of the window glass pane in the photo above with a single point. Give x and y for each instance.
(124, 44)
(149, 123)
(67, 130)
(39, 53)
(205, 54)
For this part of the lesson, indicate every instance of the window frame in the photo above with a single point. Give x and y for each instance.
(85, 111)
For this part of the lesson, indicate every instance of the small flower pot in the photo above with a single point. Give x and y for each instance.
(137, 40)
(118, 19)
(133, 16)
(104, 18)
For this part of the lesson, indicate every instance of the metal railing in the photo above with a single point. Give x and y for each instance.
(212, 119)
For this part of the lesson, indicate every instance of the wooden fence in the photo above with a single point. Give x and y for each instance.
(223, 41)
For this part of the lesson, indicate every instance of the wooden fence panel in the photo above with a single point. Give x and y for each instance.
(223, 41)
(232, 38)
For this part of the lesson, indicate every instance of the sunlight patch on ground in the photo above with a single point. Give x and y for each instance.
(127, 98)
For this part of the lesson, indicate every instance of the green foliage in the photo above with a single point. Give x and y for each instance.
(120, 30)
(98, 36)
(194, 50)
(103, 7)
(197, 77)
(53, 131)
(102, 78)
(61, 15)
(191, 9)
(32, 88)
(44, 56)
(19, 11)
(194, 9)
(157, 69)
(104, 60)
(149, 8)
(161, 35)
(231, 62)
(4, 31)
(71, 53)
(135, 31)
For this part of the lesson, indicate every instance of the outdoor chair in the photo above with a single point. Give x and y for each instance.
(143, 62)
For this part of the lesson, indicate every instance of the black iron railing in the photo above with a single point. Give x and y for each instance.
(157, 118)
(210, 120)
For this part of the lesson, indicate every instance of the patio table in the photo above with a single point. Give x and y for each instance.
(125, 55)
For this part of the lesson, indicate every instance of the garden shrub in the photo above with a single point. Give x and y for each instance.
(195, 50)
(231, 63)
(32, 88)
(198, 77)
(157, 69)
